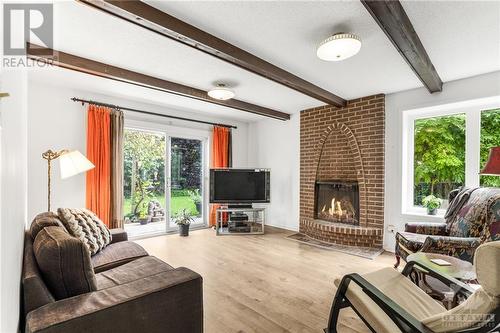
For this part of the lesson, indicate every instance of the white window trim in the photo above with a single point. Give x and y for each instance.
(472, 110)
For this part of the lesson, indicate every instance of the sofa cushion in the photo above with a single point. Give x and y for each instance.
(64, 262)
(475, 214)
(34, 290)
(86, 226)
(118, 235)
(117, 254)
(134, 270)
(43, 220)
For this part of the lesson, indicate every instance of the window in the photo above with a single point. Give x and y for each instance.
(490, 137)
(439, 156)
(445, 147)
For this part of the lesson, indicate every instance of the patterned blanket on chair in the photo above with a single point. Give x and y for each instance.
(479, 216)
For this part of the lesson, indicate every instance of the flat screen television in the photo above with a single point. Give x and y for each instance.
(239, 186)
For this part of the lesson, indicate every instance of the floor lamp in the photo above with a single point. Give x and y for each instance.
(71, 163)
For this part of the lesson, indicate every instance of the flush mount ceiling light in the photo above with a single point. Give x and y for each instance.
(339, 47)
(221, 92)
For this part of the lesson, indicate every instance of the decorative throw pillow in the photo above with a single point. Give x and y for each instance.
(43, 220)
(86, 226)
(64, 262)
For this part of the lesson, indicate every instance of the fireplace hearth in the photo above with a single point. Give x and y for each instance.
(337, 201)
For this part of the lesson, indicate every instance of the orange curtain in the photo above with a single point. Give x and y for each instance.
(98, 181)
(220, 157)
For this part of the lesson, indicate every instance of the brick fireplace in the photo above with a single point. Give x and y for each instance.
(342, 172)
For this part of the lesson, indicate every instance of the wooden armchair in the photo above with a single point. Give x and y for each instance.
(387, 301)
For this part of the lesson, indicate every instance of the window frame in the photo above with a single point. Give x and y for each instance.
(472, 110)
(147, 125)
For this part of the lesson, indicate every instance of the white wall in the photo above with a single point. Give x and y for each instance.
(13, 139)
(482, 86)
(56, 122)
(275, 144)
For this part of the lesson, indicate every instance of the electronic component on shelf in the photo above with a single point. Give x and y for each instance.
(240, 221)
(237, 216)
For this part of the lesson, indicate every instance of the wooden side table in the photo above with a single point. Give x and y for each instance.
(458, 269)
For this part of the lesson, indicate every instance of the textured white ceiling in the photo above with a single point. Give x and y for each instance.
(462, 39)
(89, 84)
(287, 34)
(90, 33)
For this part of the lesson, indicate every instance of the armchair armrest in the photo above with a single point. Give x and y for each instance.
(170, 301)
(445, 244)
(118, 235)
(426, 228)
(459, 247)
(404, 320)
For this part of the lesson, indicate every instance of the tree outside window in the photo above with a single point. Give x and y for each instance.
(439, 160)
(144, 171)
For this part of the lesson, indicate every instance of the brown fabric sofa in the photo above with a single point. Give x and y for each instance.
(120, 289)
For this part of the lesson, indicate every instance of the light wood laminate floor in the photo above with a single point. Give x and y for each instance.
(264, 283)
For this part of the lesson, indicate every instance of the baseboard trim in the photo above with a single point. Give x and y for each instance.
(296, 229)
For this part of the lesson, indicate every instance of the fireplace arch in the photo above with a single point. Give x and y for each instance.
(339, 157)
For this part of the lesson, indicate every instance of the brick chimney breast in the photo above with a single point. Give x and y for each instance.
(345, 144)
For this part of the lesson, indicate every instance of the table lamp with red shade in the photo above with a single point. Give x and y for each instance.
(492, 167)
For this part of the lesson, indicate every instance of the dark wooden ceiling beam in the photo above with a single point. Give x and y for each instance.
(391, 17)
(88, 66)
(153, 19)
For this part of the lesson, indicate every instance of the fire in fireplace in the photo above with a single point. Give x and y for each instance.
(337, 201)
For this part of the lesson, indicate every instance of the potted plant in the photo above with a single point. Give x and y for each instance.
(432, 203)
(183, 219)
(196, 198)
(144, 218)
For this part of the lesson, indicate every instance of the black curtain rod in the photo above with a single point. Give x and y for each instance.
(83, 101)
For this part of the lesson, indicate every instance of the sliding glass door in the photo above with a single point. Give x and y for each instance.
(186, 179)
(163, 175)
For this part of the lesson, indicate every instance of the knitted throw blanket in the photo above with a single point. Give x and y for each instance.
(86, 226)
(457, 203)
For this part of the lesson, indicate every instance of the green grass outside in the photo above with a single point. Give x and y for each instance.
(177, 203)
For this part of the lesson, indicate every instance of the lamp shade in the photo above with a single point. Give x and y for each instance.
(492, 166)
(72, 162)
(221, 92)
